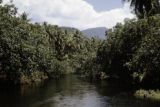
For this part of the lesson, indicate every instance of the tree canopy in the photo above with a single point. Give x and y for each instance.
(145, 8)
(30, 51)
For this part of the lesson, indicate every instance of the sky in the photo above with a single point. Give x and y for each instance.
(103, 5)
(81, 14)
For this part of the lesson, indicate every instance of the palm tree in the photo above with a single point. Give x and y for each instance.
(145, 8)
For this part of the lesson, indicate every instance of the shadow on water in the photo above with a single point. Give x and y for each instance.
(70, 91)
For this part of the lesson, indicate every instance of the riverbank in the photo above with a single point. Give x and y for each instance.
(148, 94)
(24, 79)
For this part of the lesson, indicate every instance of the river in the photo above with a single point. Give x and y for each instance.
(70, 91)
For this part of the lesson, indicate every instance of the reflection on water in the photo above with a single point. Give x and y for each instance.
(70, 92)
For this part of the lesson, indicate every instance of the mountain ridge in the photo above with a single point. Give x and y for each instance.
(98, 32)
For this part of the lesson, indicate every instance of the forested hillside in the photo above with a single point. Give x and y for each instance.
(99, 32)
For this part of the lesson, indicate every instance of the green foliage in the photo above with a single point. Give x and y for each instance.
(131, 52)
(24, 47)
(145, 8)
(89, 66)
(146, 60)
(91, 69)
(30, 50)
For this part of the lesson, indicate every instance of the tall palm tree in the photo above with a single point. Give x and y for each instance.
(145, 8)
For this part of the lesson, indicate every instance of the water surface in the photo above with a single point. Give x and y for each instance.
(71, 91)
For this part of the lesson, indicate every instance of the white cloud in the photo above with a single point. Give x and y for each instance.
(74, 13)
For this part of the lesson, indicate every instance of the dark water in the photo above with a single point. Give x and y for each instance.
(70, 91)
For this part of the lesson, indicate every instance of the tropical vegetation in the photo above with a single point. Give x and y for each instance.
(32, 52)
(130, 53)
